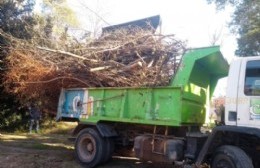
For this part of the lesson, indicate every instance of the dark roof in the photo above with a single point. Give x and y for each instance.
(149, 23)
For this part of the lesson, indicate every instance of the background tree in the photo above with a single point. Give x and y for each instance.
(59, 16)
(19, 19)
(246, 23)
(16, 19)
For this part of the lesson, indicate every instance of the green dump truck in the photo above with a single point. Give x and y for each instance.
(162, 124)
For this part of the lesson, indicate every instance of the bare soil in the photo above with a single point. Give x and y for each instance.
(52, 150)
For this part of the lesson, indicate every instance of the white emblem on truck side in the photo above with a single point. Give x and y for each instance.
(76, 103)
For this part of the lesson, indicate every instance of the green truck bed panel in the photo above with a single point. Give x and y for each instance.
(137, 104)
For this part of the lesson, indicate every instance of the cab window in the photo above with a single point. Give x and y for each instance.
(252, 79)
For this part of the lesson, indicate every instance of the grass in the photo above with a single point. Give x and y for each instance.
(53, 135)
(52, 127)
(49, 126)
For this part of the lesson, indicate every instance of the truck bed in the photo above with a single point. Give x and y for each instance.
(156, 106)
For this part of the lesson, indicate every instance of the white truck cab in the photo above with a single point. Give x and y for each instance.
(242, 105)
(236, 141)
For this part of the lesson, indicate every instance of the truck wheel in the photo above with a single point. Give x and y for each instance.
(110, 146)
(231, 157)
(89, 147)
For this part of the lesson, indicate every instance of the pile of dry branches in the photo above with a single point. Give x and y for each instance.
(139, 58)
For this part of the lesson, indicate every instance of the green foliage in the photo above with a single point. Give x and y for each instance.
(246, 23)
(221, 4)
(16, 19)
(59, 15)
(50, 126)
(48, 27)
(43, 31)
(12, 117)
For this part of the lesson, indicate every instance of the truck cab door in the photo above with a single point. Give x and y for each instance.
(248, 100)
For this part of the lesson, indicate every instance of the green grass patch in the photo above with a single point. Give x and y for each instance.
(49, 126)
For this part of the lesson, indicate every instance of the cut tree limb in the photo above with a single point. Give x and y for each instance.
(66, 53)
(99, 68)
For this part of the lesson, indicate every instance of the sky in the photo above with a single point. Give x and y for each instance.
(194, 21)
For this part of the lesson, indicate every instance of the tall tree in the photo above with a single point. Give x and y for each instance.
(16, 19)
(246, 23)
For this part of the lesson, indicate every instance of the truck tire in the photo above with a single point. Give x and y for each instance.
(89, 148)
(110, 146)
(231, 157)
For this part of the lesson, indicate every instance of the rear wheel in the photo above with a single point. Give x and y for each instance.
(110, 146)
(89, 147)
(231, 157)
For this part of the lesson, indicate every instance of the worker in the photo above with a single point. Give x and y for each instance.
(35, 116)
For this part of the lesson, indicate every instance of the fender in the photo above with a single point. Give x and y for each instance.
(245, 130)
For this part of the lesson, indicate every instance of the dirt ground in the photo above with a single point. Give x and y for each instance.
(51, 150)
